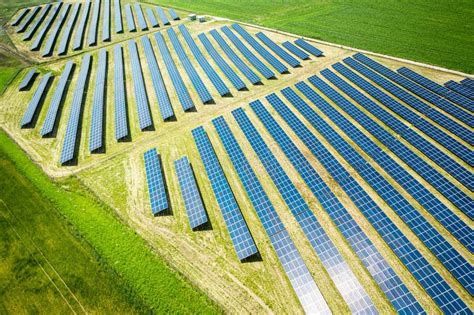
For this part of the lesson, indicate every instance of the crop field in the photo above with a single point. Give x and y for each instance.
(202, 264)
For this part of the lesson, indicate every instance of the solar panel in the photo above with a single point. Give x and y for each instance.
(290, 258)
(164, 102)
(437, 88)
(121, 125)
(151, 17)
(20, 16)
(427, 276)
(434, 99)
(69, 143)
(53, 109)
(380, 270)
(33, 106)
(143, 108)
(106, 22)
(23, 26)
(196, 80)
(430, 129)
(220, 86)
(468, 83)
(48, 49)
(130, 21)
(295, 50)
(173, 14)
(221, 63)
(96, 133)
(31, 31)
(179, 86)
(162, 16)
(77, 44)
(292, 61)
(155, 181)
(140, 17)
(308, 47)
(62, 48)
(42, 33)
(27, 80)
(260, 66)
(242, 66)
(189, 190)
(242, 240)
(118, 17)
(461, 90)
(280, 67)
(92, 37)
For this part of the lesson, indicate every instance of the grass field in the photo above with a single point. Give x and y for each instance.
(434, 32)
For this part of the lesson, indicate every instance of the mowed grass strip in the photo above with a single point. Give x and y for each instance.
(438, 32)
(31, 202)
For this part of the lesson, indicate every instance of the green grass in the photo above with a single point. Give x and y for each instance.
(9, 67)
(438, 32)
(28, 192)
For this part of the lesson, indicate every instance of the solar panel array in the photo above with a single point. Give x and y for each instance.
(106, 22)
(42, 33)
(27, 80)
(308, 47)
(141, 99)
(468, 83)
(189, 190)
(155, 182)
(121, 125)
(294, 266)
(179, 86)
(20, 16)
(94, 24)
(292, 61)
(280, 67)
(173, 14)
(62, 48)
(140, 17)
(295, 50)
(196, 80)
(53, 109)
(78, 38)
(69, 143)
(461, 90)
(37, 22)
(220, 86)
(162, 16)
(130, 21)
(164, 102)
(221, 63)
(437, 88)
(427, 276)
(244, 244)
(242, 66)
(151, 17)
(33, 106)
(23, 26)
(118, 17)
(48, 49)
(96, 133)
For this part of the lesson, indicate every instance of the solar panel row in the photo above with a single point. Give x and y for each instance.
(181, 90)
(221, 63)
(295, 50)
(308, 47)
(23, 26)
(260, 66)
(189, 190)
(220, 86)
(280, 67)
(70, 139)
(130, 21)
(48, 49)
(42, 33)
(118, 17)
(20, 16)
(173, 14)
(37, 22)
(292, 61)
(434, 99)
(106, 22)
(79, 34)
(428, 277)
(242, 240)
(437, 88)
(242, 66)
(62, 48)
(155, 181)
(151, 17)
(141, 99)
(441, 136)
(96, 133)
(53, 109)
(294, 266)
(461, 90)
(92, 37)
(121, 125)
(34, 104)
(164, 102)
(27, 80)
(162, 16)
(196, 80)
(468, 83)
(382, 273)
(141, 18)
